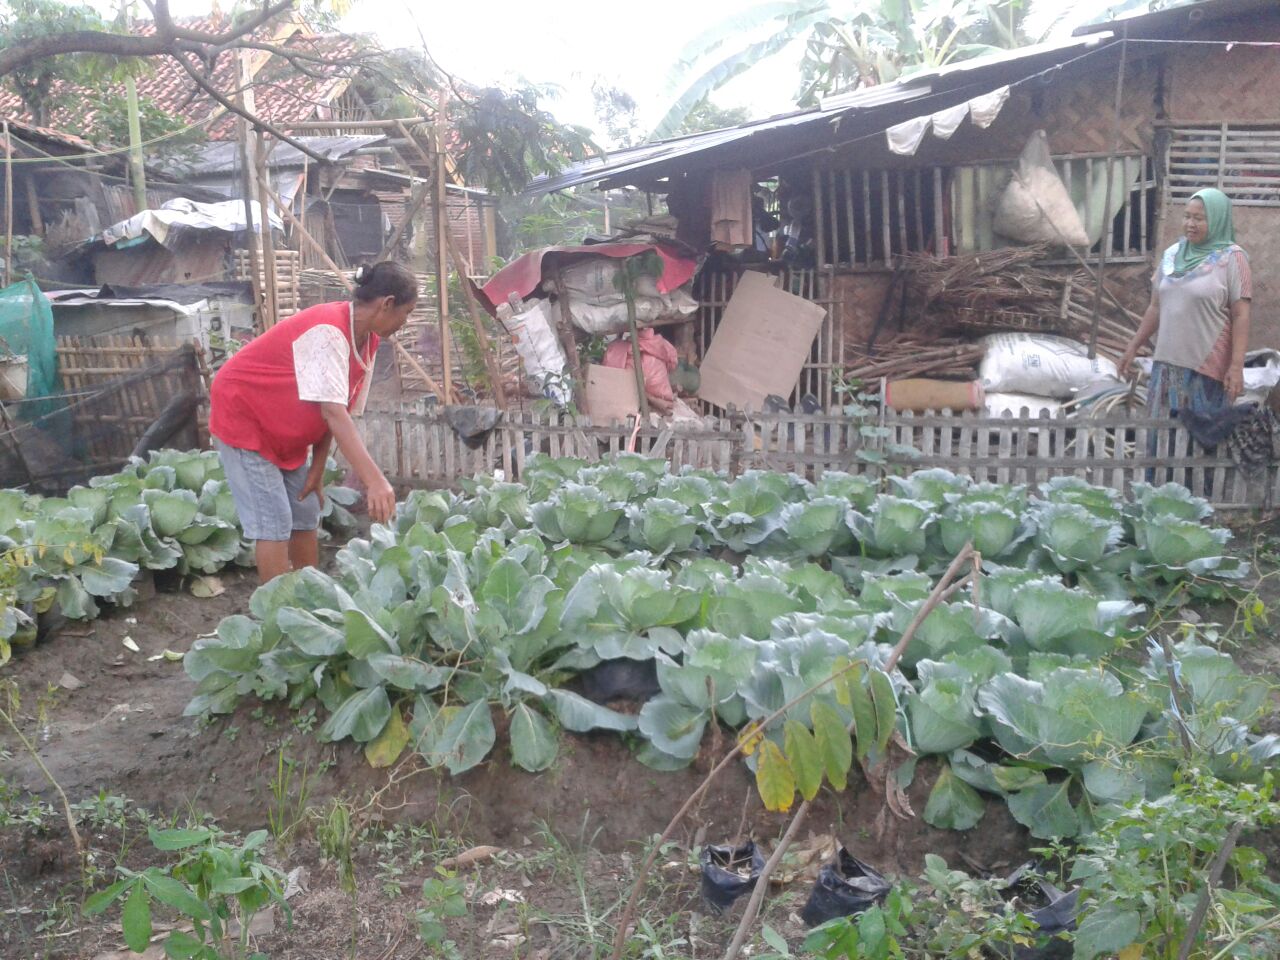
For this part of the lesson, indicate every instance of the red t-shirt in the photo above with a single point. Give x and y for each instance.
(255, 402)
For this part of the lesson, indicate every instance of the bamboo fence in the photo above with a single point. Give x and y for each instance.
(418, 448)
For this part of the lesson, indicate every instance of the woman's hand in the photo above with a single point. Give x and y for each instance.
(314, 484)
(1233, 382)
(1124, 369)
(381, 499)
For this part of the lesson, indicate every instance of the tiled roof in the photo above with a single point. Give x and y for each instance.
(29, 131)
(282, 93)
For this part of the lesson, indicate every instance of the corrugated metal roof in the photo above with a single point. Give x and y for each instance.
(967, 77)
(223, 156)
(1171, 20)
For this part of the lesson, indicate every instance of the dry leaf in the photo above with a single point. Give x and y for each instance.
(206, 587)
(468, 857)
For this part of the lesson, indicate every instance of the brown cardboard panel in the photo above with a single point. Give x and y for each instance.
(611, 394)
(760, 346)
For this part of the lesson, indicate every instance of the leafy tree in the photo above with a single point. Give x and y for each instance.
(27, 22)
(706, 116)
(110, 126)
(616, 111)
(856, 43)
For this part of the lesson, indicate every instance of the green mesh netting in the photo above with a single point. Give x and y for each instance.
(26, 330)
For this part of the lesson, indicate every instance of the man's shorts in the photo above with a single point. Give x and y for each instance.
(266, 497)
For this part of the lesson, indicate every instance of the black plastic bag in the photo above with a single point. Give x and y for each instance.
(621, 679)
(845, 888)
(723, 869)
(1053, 911)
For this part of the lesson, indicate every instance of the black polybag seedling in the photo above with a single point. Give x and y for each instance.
(845, 888)
(1054, 911)
(723, 869)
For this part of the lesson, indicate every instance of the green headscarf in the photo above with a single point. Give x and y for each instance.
(1222, 232)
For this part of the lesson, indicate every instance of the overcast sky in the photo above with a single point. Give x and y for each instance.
(569, 43)
(573, 43)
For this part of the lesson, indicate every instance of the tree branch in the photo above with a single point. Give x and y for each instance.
(168, 37)
(238, 30)
(257, 121)
(80, 41)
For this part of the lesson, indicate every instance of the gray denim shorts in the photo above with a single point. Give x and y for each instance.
(266, 497)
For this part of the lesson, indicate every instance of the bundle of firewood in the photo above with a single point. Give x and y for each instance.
(1004, 289)
(914, 355)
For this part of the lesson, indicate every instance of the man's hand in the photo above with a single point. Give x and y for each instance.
(314, 484)
(381, 499)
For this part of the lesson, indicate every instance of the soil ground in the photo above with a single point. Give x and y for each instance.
(568, 840)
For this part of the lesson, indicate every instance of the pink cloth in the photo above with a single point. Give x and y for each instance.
(657, 359)
(525, 275)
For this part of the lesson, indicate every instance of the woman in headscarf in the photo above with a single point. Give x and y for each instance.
(1199, 313)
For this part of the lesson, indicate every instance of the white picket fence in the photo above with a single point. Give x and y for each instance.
(417, 447)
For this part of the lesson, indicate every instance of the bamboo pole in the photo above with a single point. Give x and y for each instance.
(33, 206)
(1107, 226)
(246, 186)
(302, 207)
(8, 205)
(268, 241)
(463, 266)
(343, 125)
(564, 327)
(440, 204)
(337, 272)
(635, 345)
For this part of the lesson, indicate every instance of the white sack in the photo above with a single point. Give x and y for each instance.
(539, 349)
(1261, 373)
(1000, 404)
(597, 305)
(1036, 207)
(1040, 365)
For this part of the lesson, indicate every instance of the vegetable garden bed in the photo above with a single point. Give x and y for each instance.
(462, 634)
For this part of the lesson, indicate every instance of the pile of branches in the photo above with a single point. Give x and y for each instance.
(1008, 289)
(912, 354)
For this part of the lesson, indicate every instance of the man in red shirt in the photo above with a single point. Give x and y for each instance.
(289, 394)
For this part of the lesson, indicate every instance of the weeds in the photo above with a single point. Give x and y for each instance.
(290, 796)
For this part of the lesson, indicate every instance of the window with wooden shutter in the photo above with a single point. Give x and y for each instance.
(1241, 161)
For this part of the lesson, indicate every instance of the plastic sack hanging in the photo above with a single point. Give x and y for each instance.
(539, 349)
(1040, 365)
(729, 872)
(598, 306)
(845, 888)
(1036, 207)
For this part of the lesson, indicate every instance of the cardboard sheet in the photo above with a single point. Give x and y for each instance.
(760, 346)
(611, 394)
